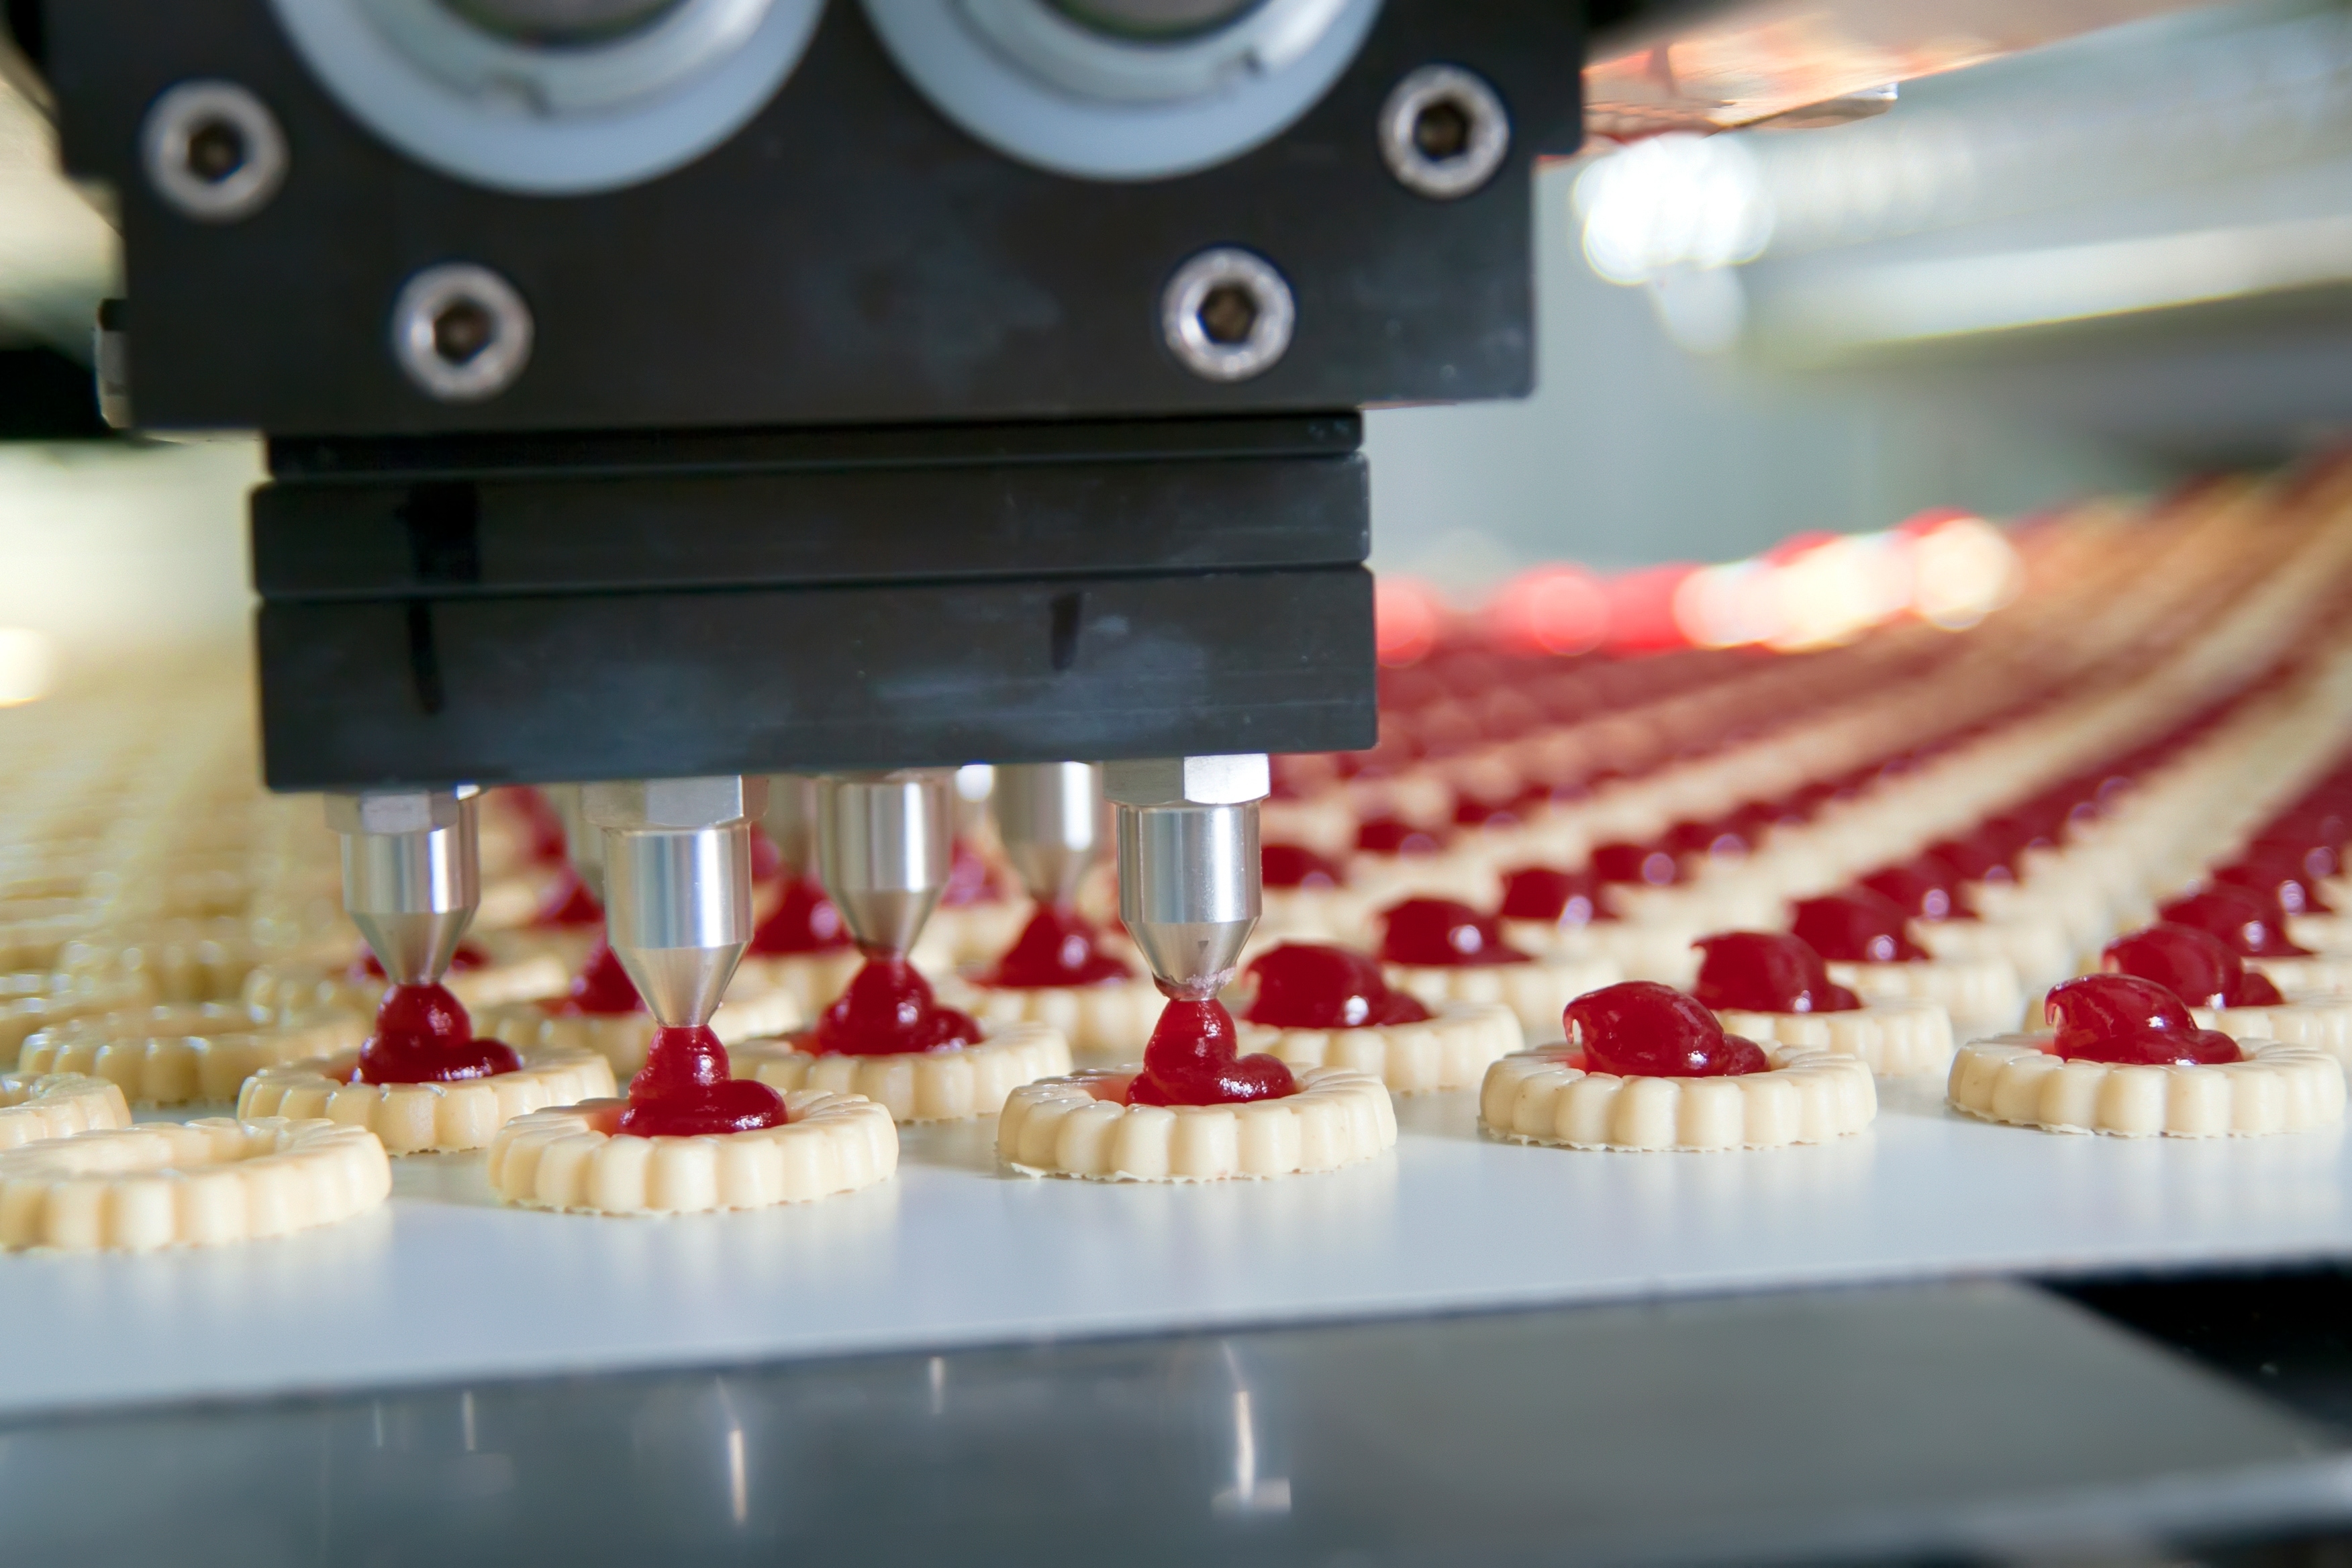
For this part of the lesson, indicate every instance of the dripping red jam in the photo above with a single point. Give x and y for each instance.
(1643, 1029)
(888, 1009)
(1192, 1058)
(685, 1090)
(423, 1035)
(1056, 948)
(1310, 985)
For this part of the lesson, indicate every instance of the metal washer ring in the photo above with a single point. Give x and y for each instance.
(1443, 179)
(1188, 336)
(172, 124)
(491, 368)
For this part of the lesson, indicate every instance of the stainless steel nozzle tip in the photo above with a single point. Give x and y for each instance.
(885, 843)
(678, 880)
(1053, 822)
(1189, 876)
(412, 874)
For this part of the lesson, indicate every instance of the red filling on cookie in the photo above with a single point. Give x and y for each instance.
(1926, 889)
(1643, 1029)
(686, 1090)
(1056, 948)
(1559, 898)
(1191, 1060)
(2195, 965)
(423, 1036)
(1395, 835)
(888, 1009)
(1646, 864)
(569, 903)
(602, 988)
(1442, 933)
(1295, 865)
(805, 921)
(1310, 985)
(2124, 1019)
(1759, 972)
(2239, 918)
(1858, 927)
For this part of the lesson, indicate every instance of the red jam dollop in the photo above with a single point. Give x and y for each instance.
(1759, 972)
(969, 881)
(423, 1036)
(602, 988)
(2124, 1019)
(569, 903)
(2195, 965)
(1924, 888)
(1442, 933)
(1191, 1059)
(1295, 865)
(1558, 898)
(686, 1090)
(1395, 835)
(467, 957)
(804, 921)
(1643, 863)
(1643, 1029)
(2238, 917)
(888, 1009)
(1312, 986)
(1056, 948)
(2288, 886)
(1857, 927)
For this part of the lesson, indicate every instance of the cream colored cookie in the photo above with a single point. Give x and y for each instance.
(1450, 1050)
(426, 1118)
(1082, 1126)
(1640, 950)
(197, 1184)
(968, 933)
(622, 1038)
(2038, 948)
(56, 1105)
(2017, 1079)
(1807, 1097)
(1113, 1019)
(1315, 914)
(1981, 996)
(194, 1052)
(1537, 992)
(573, 1159)
(283, 989)
(2330, 935)
(918, 1086)
(2321, 1022)
(2318, 975)
(812, 979)
(1893, 1039)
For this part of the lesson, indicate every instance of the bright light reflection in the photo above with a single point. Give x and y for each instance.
(28, 665)
(1962, 571)
(1670, 203)
(1406, 618)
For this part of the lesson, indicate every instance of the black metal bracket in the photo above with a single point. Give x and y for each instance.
(508, 609)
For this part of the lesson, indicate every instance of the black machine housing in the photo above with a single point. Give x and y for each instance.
(852, 442)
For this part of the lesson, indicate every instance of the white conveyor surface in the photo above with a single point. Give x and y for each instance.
(443, 1286)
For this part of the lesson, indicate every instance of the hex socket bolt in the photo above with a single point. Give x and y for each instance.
(791, 820)
(1050, 817)
(678, 885)
(583, 841)
(1190, 880)
(412, 874)
(885, 843)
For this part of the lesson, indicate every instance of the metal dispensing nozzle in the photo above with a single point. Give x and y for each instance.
(1189, 876)
(885, 843)
(678, 885)
(412, 874)
(1050, 817)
